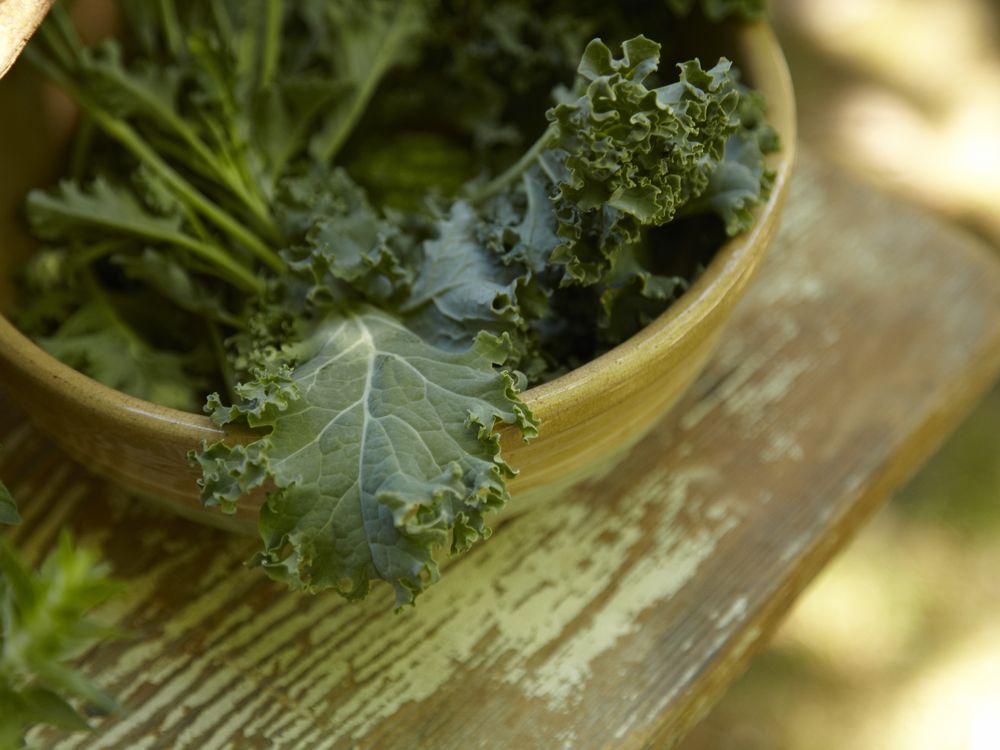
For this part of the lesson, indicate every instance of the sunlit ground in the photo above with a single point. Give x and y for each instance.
(897, 645)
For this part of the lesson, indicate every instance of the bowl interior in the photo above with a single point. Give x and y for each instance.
(33, 148)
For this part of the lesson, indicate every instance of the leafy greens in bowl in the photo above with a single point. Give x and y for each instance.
(364, 229)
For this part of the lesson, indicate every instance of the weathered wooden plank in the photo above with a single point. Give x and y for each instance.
(614, 617)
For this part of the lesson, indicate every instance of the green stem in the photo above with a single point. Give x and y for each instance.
(273, 14)
(220, 15)
(225, 369)
(94, 251)
(125, 135)
(222, 129)
(235, 272)
(329, 143)
(515, 170)
(221, 263)
(82, 143)
(171, 28)
(197, 225)
(237, 186)
(60, 36)
(128, 137)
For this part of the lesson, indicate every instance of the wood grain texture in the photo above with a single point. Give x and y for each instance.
(614, 617)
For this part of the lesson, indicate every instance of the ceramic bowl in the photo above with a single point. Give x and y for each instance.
(587, 416)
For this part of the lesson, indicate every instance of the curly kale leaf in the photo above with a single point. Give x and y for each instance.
(632, 295)
(44, 623)
(462, 288)
(643, 152)
(741, 181)
(621, 159)
(447, 287)
(738, 185)
(634, 155)
(381, 448)
(621, 156)
(347, 247)
(529, 223)
(501, 61)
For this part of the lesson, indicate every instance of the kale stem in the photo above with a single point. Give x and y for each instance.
(63, 38)
(221, 263)
(85, 256)
(250, 199)
(515, 170)
(225, 369)
(223, 22)
(273, 13)
(328, 145)
(58, 37)
(338, 136)
(197, 225)
(125, 135)
(234, 271)
(130, 138)
(82, 143)
(171, 28)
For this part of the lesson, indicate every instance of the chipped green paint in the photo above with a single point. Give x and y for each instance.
(373, 666)
(735, 614)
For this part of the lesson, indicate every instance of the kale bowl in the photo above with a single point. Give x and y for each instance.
(594, 368)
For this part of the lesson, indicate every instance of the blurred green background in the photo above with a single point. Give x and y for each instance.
(897, 645)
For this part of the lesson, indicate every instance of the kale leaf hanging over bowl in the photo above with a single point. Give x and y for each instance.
(363, 228)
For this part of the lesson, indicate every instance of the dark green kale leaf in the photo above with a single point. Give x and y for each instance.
(620, 156)
(634, 156)
(619, 160)
(410, 169)
(742, 181)
(633, 296)
(503, 60)
(382, 448)
(529, 225)
(642, 151)
(461, 288)
(347, 249)
(512, 45)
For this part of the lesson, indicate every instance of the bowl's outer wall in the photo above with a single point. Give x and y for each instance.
(587, 416)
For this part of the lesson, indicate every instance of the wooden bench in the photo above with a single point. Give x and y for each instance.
(614, 617)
